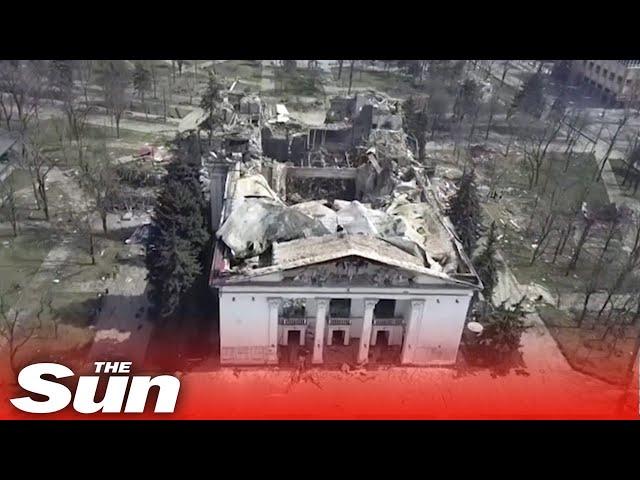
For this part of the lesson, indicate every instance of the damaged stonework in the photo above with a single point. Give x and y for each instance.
(361, 272)
(340, 221)
(385, 111)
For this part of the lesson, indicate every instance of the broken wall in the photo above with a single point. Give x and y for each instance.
(332, 139)
(362, 124)
(276, 148)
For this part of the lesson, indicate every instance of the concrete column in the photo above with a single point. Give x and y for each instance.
(367, 325)
(322, 305)
(412, 330)
(274, 305)
(218, 180)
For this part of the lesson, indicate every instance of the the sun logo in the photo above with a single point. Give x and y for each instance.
(59, 396)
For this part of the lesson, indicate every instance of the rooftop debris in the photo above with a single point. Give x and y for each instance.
(373, 201)
(256, 223)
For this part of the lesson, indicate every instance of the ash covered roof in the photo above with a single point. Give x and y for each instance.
(264, 235)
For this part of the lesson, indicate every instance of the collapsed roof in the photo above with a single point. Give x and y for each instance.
(264, 235)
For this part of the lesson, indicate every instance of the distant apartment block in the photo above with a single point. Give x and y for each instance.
(618, 81)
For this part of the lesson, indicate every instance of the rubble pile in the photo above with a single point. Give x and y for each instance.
(392, 145)
(259, 218)
(381, 196)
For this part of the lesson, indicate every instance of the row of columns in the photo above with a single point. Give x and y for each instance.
(412, 329)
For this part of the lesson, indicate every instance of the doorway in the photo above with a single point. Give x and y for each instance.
(293, 338)
(382, 338)
(337, 337)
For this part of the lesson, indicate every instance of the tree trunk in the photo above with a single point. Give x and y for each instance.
(565, 237)
(36, 195)
(584, 309)
(340, 68)
(556, 252)
(144, 106)
(473, 128)
(164, 104)
(43, 196)
(350, 77)
(607, 241)
(92, 248)
(155, 82)
(581, 242)
(568, 155)
(627, 172)
(606, 302)
(486, 135)
(103, 216)
(504, 74)
(610, 148)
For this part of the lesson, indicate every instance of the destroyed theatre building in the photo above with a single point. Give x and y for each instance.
(349, 261)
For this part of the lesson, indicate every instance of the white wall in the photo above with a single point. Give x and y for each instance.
(244, 329)
(440, 330)
(245, 323)
(357, 314)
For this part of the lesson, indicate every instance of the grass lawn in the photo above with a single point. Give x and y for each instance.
(20, 259)
(302, 82)
(516, 210)
(391, 83)
(239, 69)
(20, 178)
(595, 349)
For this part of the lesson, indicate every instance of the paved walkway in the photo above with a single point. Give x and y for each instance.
(122, 329)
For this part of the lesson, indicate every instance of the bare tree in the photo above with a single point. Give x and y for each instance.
(14, 331)
(85, 71)
(631, 263)
(142, 82)
(633, 162)
(547, 226)
(612, 143)
(591, 287)
(8, 204)
(579, 246)
(101, 182)
(115, 79)
(351, 76)
(6, 108)
(505, 69)
(493, 104)
(76, 112)
(536, 142)
(80, 221)
(39, 163)
(154, 78)
(23, 83)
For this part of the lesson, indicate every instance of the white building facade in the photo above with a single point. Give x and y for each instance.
(355, 292)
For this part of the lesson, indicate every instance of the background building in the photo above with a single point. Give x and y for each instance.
(616, 81)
